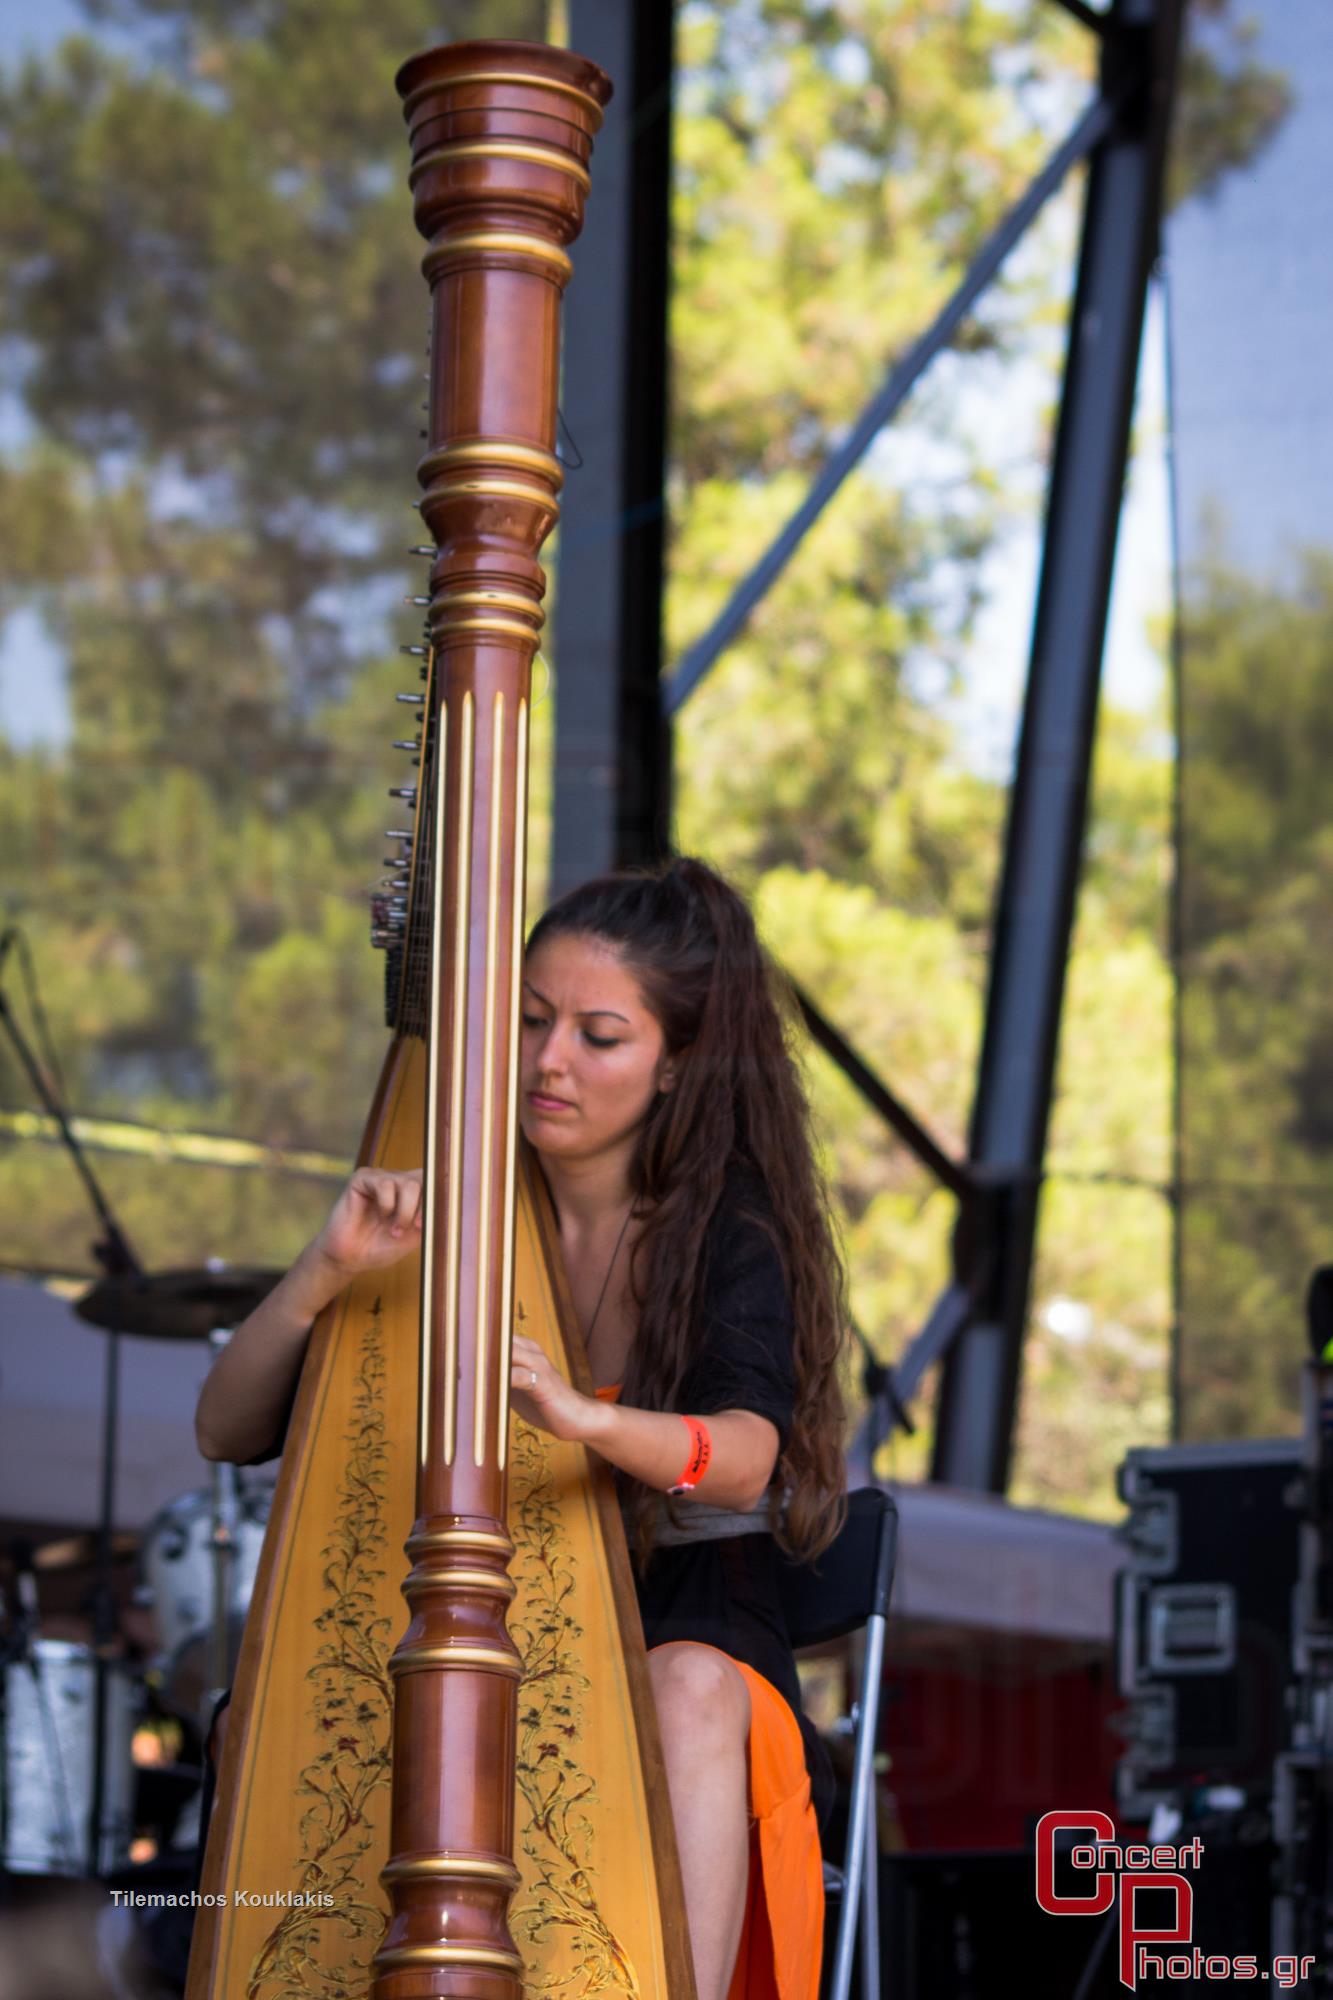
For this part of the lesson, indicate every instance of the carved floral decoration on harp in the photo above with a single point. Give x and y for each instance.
(352, 1709)
(557, 1921)
(568, 1945)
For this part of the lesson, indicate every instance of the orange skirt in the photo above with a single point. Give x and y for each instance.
(782, 1935)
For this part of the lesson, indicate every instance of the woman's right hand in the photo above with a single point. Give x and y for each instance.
(375, 1221)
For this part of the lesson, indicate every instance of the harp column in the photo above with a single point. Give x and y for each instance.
(501, 135)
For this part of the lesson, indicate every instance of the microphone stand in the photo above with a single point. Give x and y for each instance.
(117, 1260)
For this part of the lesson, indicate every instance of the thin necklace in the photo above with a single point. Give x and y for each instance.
(609, 1269)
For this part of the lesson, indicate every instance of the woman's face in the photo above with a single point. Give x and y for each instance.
(592, 1057)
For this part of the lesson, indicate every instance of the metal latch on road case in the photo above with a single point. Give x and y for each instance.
(1191, 1628)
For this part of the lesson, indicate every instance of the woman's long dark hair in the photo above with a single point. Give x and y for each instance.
(738, 1101)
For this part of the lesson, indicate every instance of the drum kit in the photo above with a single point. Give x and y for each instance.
(79, 1749)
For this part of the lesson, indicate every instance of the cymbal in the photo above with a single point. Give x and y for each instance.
(176, 1305)
(76, 1551)
(80, 1551)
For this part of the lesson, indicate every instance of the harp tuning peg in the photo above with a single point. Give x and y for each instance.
(408, 793)
(388, 919)
(412, 700)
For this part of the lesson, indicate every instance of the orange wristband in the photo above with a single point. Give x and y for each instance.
(701, 1451)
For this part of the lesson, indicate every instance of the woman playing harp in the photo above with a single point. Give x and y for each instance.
(663, 1106)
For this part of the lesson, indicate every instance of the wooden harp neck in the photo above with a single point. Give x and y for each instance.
(501, 137)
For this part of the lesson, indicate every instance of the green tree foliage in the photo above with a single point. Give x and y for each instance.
(834, 186)
(1257, 923)
(215, 307)
(214, 315)
(839, 168)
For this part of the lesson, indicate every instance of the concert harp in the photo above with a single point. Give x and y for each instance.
(466, 1798)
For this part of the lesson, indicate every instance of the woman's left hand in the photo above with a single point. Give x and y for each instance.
(550, 1402)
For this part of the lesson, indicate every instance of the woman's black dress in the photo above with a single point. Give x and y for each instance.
(724, 1592)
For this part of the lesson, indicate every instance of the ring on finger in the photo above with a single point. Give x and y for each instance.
(533, 1374)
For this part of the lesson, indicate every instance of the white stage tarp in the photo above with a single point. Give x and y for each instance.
(971, 1559)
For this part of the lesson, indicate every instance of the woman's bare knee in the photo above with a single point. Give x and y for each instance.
(699, 1691)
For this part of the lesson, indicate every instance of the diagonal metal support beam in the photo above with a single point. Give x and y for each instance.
(680, 684)
(951, 1173)
(1048, 806)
